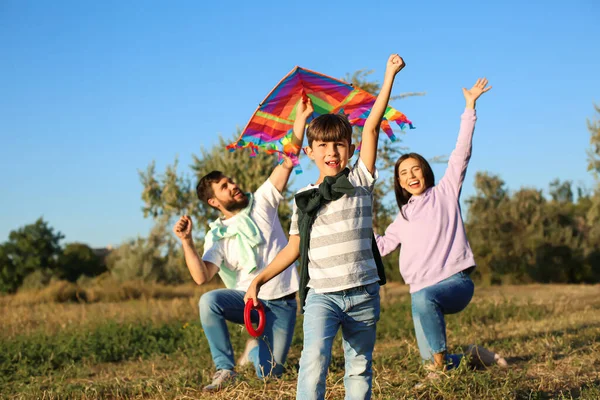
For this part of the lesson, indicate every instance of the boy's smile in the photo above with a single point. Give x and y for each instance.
(330, 157)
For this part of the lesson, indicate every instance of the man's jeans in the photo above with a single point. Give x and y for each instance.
(218, 306)
(430, 304)
(356, 310)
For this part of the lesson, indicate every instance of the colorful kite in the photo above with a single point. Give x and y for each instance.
(270, 128)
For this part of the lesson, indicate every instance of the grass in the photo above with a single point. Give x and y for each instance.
(154, 348)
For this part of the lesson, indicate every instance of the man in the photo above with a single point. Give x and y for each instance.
(239, 245)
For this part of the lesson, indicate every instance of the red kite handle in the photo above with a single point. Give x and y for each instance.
(261, 318)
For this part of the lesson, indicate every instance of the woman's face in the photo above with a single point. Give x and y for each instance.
(410, 176)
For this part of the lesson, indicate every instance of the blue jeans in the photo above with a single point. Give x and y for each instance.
(356, 310)
(429, 305)
(218, 306)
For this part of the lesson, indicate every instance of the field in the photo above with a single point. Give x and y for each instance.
(152, 346)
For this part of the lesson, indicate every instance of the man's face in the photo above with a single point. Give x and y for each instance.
(330, 157)
(228, 195)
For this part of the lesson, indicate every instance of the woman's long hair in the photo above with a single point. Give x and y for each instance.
(402, 196)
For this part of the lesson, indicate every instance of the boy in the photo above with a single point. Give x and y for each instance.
(332, 233)
(239, 245)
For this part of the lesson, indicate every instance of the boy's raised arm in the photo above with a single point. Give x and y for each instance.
(370, 134)
(281, 174)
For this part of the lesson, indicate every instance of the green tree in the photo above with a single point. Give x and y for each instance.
(34, 247)
(561, 192)
(153, 259)
(592, 217)
(9, 279)
(594, 151)
(523, 237)
(488, 232)
(79, 259)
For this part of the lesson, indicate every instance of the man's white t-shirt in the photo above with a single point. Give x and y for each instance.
(264, 213)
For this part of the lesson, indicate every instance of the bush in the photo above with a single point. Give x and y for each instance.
(78, 259)
(37, 280)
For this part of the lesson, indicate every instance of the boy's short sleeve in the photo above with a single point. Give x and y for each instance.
(360, 176)
(294, 222)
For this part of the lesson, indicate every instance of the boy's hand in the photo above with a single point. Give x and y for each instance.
(183, 228)
(287, 162)
(252, 293)
(305, 109)
(394, 65)
(477, 90)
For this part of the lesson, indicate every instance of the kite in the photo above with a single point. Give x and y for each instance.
(270, 127)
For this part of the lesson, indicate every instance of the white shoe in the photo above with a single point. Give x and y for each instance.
(221, 378)
(250, 344)
(484, 357)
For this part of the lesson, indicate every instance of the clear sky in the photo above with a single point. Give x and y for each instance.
(93, 91)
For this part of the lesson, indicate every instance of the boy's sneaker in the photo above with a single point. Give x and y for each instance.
(221, 378)
(250, 344)
(484, 357)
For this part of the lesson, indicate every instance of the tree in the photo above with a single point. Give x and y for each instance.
(34, 247)
(594, 151)
(488, 232)
(523, 237)
(592, 218)
(561, 192)
(9, 279)
(153, 259)
(79, 259)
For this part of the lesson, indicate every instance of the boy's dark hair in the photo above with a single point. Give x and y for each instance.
(329, 128)
(204, 188)
(402, 196)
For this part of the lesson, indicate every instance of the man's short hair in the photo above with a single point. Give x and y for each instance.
(204, 188)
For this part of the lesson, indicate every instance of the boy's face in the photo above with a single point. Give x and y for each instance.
(330, 157)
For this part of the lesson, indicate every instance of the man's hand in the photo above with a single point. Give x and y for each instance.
(252, 293)
(477, 90)
(394, 65)
(305, 109)
(183, 228)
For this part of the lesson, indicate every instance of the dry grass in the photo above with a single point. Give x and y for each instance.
(550, 335)
(64, 305)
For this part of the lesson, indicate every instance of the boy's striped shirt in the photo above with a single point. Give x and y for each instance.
(340, 255)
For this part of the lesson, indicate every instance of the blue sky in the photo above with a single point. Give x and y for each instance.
(92, 92)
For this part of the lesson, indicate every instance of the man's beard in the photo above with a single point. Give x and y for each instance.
(237, 205)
